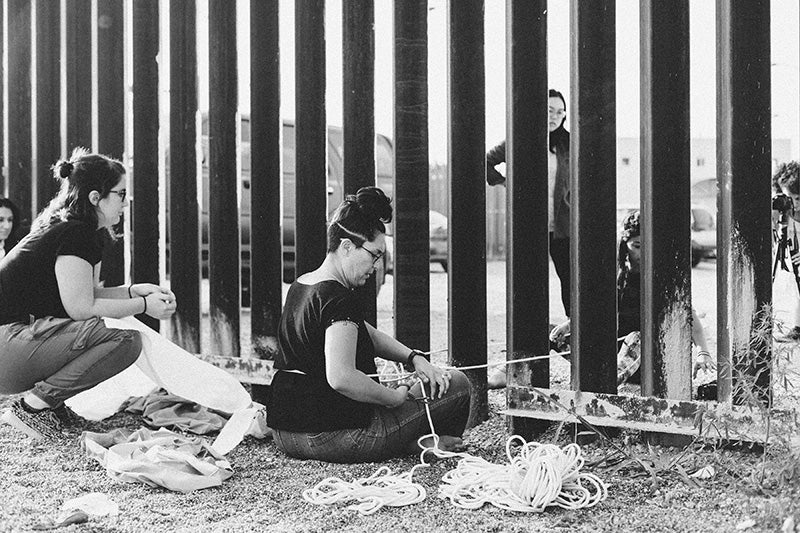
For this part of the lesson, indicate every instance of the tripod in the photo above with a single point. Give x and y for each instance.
(780, 233)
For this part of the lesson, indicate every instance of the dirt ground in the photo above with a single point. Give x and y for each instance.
(647, 491)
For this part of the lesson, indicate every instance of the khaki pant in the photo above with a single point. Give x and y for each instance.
(58, 357)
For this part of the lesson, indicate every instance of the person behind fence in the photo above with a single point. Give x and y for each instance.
(53, 341)
(557, 186)
(628, 309)
(786, 215)
(324, 402)
(9, 225)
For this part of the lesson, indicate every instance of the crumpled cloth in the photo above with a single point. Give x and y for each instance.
(158, 458)
(162, 364)
(162, 409)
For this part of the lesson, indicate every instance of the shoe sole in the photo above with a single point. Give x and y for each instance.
(14, 421)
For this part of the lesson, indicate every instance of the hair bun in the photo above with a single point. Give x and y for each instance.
(65, 169)
(374, 203)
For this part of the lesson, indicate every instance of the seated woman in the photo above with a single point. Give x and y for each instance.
(324, 405)
(9, 225)
(628, 314)
(53, 341)
(628, 309)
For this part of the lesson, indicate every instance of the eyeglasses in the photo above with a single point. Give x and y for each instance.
(122, 194)
(375, 257)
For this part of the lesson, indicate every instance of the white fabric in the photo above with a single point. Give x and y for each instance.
(166, 365)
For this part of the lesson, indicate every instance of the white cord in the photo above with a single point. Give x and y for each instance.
(540, 475)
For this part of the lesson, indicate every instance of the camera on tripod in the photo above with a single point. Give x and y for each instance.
(782, 203)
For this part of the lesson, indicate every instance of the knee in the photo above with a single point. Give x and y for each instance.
(132, 340)
(459, 382)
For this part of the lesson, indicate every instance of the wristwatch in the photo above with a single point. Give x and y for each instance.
(409, 362)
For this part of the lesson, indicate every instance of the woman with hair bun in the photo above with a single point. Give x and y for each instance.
(53, 342)
(324, 405)
(9, 225)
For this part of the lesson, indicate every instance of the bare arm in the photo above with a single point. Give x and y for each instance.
(76, 287)
(704, 359)
(341, 339)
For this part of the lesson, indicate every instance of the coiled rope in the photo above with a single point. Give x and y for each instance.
(540, 475)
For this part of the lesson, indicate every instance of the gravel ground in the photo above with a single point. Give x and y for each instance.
(265, 492)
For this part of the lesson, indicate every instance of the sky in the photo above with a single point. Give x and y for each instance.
(785, 50)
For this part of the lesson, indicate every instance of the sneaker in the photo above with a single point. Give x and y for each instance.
(67, 416)
(39, 425)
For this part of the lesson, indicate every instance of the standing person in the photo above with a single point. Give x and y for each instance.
(558, 200)
(53, 341)
(557, 186)
(9, 226)
(786, 182)
(324, 405)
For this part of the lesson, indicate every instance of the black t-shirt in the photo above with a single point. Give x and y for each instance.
(306, 402)
(628, 310)
(28, 283)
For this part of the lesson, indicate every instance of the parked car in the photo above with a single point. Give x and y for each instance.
(437, 230)
(384, 155)
(703, 231)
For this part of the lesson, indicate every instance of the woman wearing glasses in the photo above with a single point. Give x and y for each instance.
(53, 341)
(324, 403)
(557, 198)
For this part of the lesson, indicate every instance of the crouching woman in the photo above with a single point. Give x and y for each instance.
(324, 405)
(53, 341)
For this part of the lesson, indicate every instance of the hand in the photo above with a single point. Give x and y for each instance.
(437, 378)
(160, 305)
(399, 396)
(145, 289)
(704, 362)
(560, 332)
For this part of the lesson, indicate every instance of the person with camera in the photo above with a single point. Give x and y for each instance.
(786, 216)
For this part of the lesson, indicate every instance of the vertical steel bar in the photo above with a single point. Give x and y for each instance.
(184, 226)
(20, 146)
(593, 207)
(48, 99)
(79, 73)
(144, 223)
(310, 134)
(743, 223)
(666, 310)
(265, 178)
(527, 268)
(412, 284)
(358, 60)
(223, 224)
(3, 33)
(111, 110)
(467, 167)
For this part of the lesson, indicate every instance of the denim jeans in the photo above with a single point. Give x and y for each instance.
(390, 433)
(60, 357)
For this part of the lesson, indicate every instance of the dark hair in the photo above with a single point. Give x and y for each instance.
(360, 217)
(81, 174)
(787, 176)
(12, 238)
(631, 227)
(559, 137)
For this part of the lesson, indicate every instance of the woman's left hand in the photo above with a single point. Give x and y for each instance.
(146, 289)
(437, 378)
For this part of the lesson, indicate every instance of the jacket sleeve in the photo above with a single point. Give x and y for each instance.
(495, 156)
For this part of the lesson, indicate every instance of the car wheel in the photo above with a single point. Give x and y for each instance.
(444, 265)
(697, 255)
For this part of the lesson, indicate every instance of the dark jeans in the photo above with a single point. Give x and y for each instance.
(390, 433)
(59, 357)
(559, 253)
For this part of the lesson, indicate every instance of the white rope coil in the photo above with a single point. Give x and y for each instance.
(539, 476)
